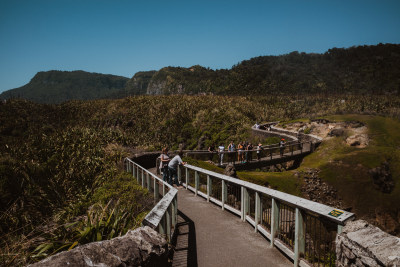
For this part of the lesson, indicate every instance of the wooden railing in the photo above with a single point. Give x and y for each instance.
(302, 229)
(164, 216)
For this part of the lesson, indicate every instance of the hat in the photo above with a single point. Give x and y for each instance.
(283, 139)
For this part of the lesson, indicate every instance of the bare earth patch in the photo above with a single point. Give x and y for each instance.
(355, 131)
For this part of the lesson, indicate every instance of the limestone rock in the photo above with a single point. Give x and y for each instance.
(140, 247)
(362, 244)
(358, 140)
(336, 132)
(230, 171)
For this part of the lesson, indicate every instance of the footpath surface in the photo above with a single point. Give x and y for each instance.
(209, 236)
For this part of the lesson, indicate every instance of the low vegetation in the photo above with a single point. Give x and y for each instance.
(61, 182)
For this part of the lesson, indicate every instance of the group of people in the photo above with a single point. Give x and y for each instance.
(169, 167)
(244, 151)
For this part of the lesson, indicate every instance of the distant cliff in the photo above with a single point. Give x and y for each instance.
(60, 86)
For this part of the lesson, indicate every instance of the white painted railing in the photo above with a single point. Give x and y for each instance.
(164, 216)
(274, 214)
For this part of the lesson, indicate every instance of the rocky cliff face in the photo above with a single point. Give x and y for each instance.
(140, 247)
(361, 244)
(156, 87)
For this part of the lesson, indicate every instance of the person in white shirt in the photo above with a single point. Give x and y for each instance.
(221, 150)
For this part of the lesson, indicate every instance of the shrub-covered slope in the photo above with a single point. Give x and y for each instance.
(57, 161)
(355, 70)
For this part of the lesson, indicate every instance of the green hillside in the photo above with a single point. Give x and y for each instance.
(60, 86)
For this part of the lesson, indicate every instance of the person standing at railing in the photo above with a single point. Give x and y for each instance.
(211, 149)
(232, 149)
(240, 152)
(221, 150)
(164, 164)
(173, 169)
(249, 152)
(282, 146)
(259, 149)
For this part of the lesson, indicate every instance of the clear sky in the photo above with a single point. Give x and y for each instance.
(123, 37)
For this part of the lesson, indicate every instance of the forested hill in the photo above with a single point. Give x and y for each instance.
(355, 70)
(60, 86)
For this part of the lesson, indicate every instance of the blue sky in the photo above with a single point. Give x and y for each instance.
(123, 37)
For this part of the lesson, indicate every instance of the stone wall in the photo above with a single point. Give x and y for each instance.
(140, 247)
(362, 244)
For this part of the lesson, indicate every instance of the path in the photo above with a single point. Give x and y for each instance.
(215, 237)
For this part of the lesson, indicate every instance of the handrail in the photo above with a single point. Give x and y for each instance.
(318, 208)
(273, 213)
(164, 215)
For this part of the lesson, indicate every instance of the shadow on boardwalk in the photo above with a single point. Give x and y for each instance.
(185, 252)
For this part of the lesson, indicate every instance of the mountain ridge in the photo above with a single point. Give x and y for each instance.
(356, 70)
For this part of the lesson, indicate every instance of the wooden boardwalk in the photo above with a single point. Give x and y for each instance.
(208, 236)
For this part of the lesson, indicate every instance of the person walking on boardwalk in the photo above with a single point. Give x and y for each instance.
(221, 150)
(259, 148)
(240, 152)
(164, 164)
(282, 146)
(173, 168)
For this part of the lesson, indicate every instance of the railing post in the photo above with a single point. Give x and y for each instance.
(137, 175)
(187, 177)
(241, 202)
(299, 237)
(274, 220)
(163, 189)
(173, 211)
(156, 190)
(133, 170)
(339, 229)
(224, 194)
(244, 203)
(127, 166)
(179, 175)
(161, 226)
(196, 182)
(168, 219)
(148, 181)
(142, 178)
(176, 210)
(209, 187)
(257, 212)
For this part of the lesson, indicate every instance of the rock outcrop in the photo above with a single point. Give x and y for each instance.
(382, 178)
(140, 247)
(230, 170)
(361, 244)
(315, 189)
